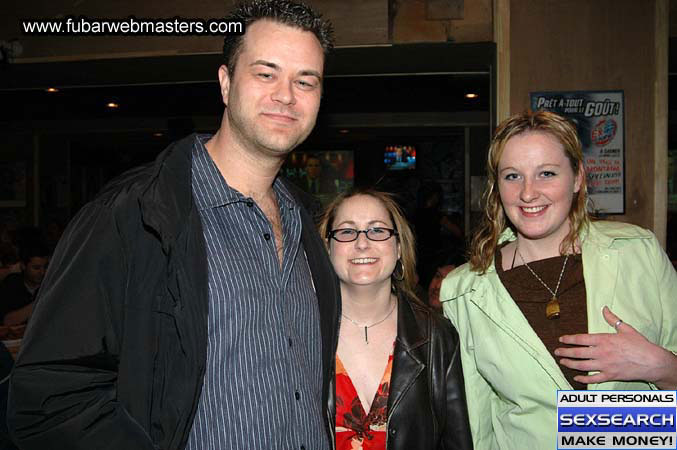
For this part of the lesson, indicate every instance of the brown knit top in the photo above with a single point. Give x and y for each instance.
(531, 297)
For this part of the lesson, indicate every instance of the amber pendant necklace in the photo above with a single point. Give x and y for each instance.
(552, 307)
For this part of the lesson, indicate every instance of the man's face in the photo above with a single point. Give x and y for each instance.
(274, 95)
(313, 168)
(436, 284)
(34, 271)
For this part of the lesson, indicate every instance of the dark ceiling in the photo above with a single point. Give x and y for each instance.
(391, 79)
(369, 94)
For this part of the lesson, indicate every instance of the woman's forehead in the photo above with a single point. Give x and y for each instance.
(362, 209)
(525, 147)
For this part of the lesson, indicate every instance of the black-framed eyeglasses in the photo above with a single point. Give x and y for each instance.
(351, 234)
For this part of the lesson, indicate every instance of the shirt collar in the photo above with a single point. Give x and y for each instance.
(284, 197)
(209, 187)
(213, 189)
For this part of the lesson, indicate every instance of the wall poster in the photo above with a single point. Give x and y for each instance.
(599, 117)
(324, 174)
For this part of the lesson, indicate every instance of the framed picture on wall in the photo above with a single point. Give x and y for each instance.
(13, 184)
(323, 173)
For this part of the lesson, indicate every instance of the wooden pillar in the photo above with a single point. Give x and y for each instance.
(660, 187)
(502, 39)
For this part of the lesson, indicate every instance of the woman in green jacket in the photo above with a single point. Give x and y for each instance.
(550, 299)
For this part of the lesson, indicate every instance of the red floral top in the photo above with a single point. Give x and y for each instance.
(355, 430)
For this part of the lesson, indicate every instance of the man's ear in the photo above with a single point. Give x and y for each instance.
(224, 82)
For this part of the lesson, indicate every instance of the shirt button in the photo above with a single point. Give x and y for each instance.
(297, 395)
(250, 203)
(392, 431)
(266, 237)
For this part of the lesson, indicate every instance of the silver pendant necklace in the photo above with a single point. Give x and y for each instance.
(366, 327)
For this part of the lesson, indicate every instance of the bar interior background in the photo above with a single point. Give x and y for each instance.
(399, 76)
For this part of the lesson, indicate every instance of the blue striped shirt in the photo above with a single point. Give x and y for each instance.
(263, 381)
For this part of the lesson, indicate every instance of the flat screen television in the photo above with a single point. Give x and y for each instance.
(399, 157)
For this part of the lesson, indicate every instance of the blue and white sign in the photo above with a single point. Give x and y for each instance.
(616, 420)
(599, 118)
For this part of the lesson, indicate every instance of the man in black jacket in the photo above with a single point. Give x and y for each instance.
(191, 305)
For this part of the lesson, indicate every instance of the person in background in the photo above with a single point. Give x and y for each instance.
(313, 181)
(551, 299)
(9, 260)
(440, 240)
(18, 290)
(436, 284)
(398, 382)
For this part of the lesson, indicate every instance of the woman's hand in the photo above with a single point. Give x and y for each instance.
(622, 356)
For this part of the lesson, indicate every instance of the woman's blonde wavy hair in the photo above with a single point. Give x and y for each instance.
(407, 285)
(494, 222)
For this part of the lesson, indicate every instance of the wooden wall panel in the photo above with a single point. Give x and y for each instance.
(410, 23)
(355, 21)
(560, 45)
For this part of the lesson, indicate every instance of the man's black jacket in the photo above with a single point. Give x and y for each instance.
(115, 353)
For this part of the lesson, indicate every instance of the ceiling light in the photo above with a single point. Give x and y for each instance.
(51, 90)
(112, 105)
(344, 131)
(471, 95)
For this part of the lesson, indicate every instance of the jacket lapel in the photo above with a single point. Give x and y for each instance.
(494, 300)
(325, 285)
(408, 357)
(167, 199)
(168, 209)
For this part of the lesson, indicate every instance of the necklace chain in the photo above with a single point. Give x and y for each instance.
(559, 280)
(366, 327)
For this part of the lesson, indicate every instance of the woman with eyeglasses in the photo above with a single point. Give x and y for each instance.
(398, 382)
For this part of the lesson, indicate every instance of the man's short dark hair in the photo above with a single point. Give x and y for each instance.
(287, 12)
(33, 250)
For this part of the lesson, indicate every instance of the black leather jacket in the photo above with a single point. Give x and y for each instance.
(426, 405)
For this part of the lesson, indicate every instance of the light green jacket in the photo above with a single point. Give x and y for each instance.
(511, 380)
